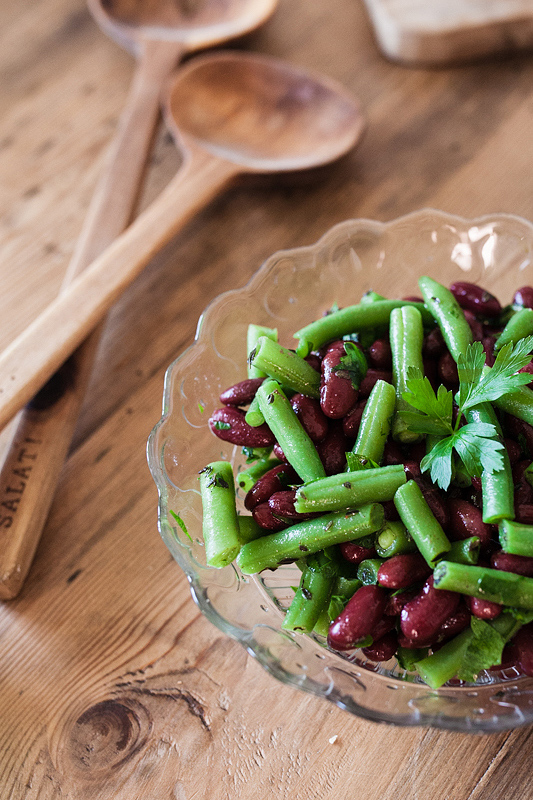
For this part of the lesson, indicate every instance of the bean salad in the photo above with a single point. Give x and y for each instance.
(390, 457)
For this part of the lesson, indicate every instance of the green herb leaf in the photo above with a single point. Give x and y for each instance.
(523, 615)
(479, 384)
(477, 446)
(353, 365)
(180, 523)
(436, 416)
(357, 462)
(484, 651)
(439, 462)
(218, 425)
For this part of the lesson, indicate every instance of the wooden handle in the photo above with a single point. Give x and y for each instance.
(42, 433)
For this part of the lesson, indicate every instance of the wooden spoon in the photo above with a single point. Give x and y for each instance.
(159, 33)
(232, 113)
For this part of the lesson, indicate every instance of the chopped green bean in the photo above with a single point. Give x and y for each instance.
(394, 540)
(297, 447)
(506, 588)
(253, 416)
(350, 489)
(368, 570)
(349, 319)
(519, 404)
(497, 487)
(249, 529)
(220, 523)
(376, 422)
(465, 551)
(313, 594)
(516, 538)
(292, 371)
(420, 521)
(249, 477)
(254, 332)
(309, 537)
(406, 339)
(449, 315)
(519, 326)
(444, 665)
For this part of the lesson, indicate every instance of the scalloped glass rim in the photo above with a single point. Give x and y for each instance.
(292, 288)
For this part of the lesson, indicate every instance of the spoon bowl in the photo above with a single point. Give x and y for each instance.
(262, 114)
(195, 24)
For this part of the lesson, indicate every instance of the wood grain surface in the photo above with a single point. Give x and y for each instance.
(449, 31)
(112, 685)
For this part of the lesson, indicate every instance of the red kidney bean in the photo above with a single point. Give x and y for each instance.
(416, 451)
(385, 624)
(520, 430)
(282, 505)
(412, 470)
(513, 450)
(476, 299)
(358, 619)
(382, 649)
(275, 480)
(397, 601)
(475, 325)
(522, 565)
(337, 393)
(352, 420)
(454, 624)
(523, 642)
(476, 483)
(314, 360)
(488, 347)
(519, 469)
(278, 453)
(466, 520)
(422, 617)
(523, 297)
(371, 378)
(529, 369)
(435, 500)
(431, 372)
(241, 394)
(509, 658)
(390, 510)
(524, 513)
(483, 609)
(332, 450)
(403, 570)
(239, 432)
(434, 345)
(380, 354)
(523, 495)
(265, 517)
(311, 416)
(447, 370)
(355, 553)
(392, 453)
(412, 299)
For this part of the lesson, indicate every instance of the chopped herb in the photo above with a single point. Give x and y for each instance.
(221, 426)
(483, 652)
(353, 365)
(357, 462)
(201, 408)
(180, 523)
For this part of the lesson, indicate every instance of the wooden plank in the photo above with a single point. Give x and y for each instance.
(450, 31)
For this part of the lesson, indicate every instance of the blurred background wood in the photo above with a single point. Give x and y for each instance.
(112, 685)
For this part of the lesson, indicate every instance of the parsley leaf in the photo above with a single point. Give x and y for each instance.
(475, 444)
(436, 416)
(180, 523)
(356, 462)
(480, 385)
(353, 365)
(484, 651)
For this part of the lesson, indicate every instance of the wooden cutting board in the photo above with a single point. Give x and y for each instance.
(449, 31)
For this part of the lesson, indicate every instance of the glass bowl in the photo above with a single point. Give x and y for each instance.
(290, 290)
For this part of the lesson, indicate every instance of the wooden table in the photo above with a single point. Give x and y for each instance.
(112, 684)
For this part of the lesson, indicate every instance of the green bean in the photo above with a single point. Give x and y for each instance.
(497, 487)
(249, 529)
(286, 367)
(367, 571)
(249, 477)
(444, 665)
(313, 594)
(350, 319)
(254, 332)
(519, 326)
(394, 540)
(350, 489)
(297, 447)
(516, 538)
(506, 588)
(465, 551)
(419, 520)
(253, 416)
(406, 339)
(519, 404)
(449, 315)
(376, 422)
(220, 522)
(308, 537)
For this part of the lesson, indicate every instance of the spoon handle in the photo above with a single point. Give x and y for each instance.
(41, 434)
(54, 335)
